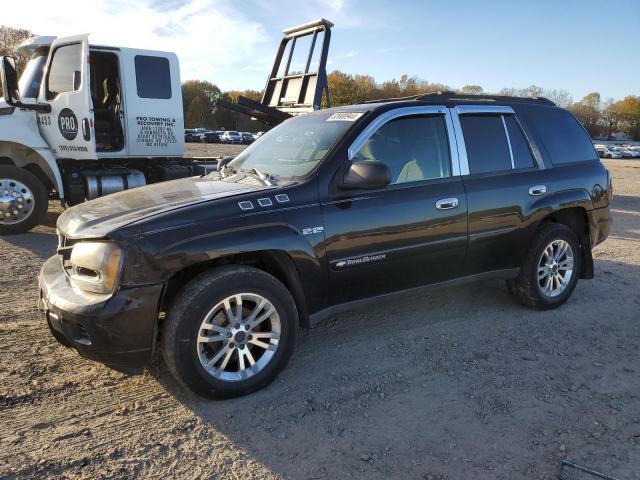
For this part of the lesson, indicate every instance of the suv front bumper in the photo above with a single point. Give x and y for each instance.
(118, 329)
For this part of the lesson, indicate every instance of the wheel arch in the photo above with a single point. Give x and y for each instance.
(40, 162)
(575, 217)
(277, 263)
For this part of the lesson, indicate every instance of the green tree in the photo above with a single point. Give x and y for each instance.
(198, 102)
(588, 112)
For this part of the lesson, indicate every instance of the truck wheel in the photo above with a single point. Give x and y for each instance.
(23, 200)
(229, 332)
(551, 269)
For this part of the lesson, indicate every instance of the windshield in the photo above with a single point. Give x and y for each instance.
(294, 147)
(29, 83)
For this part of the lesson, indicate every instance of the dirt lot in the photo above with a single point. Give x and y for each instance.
(459, 383)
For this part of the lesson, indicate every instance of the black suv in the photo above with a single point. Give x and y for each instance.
(325, 211)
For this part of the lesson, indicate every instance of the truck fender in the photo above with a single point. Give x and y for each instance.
(187, 252)
(574, 198)
(553, 202)
(22, 155)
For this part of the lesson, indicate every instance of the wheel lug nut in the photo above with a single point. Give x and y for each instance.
(229, 334)
(237, 325)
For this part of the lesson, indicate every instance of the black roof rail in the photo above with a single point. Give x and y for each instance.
(447, 95)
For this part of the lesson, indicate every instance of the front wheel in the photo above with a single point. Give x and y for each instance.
(551, 269)
(230, 331)
(23, 200)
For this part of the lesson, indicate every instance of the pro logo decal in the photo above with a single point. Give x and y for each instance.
(68, 124)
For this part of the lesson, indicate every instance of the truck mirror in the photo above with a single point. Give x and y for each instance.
(77, 78)
(367, 175)
(9, 76)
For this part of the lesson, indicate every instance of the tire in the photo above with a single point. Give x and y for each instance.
(21, 191)
(527, 288)
(192, 310)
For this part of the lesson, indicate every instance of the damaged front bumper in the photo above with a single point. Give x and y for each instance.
(118, 329)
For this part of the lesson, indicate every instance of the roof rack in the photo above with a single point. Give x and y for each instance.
(448, 95)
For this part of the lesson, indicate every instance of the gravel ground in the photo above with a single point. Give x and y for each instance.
(459, 383)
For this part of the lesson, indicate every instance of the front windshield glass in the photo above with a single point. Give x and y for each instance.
(31, 78)
(294, 147)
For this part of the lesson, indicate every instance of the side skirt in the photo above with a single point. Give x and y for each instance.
(315, 318)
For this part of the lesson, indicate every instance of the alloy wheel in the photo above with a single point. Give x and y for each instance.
(238, 337)
(555, 268)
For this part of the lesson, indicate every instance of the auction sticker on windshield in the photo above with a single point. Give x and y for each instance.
(345, 117)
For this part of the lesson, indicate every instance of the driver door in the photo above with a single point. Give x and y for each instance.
(68, 128)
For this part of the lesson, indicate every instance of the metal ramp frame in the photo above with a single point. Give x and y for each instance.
(291, 93)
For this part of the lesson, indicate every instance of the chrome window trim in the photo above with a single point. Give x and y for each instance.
(464, 109)
(461, 148)
(389, 115)
(506, 132)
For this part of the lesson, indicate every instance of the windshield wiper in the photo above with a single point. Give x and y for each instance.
(265, 177)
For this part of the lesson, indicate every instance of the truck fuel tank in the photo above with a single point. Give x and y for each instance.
(104, 182)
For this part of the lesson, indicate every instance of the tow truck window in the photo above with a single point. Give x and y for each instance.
(293, 148)
(153, 77)
(66, 60)
(31, 78)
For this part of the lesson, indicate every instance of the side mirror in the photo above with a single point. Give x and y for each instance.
(9, 76)
(366, 175)
(77, 78)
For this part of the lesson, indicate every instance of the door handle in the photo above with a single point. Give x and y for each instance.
(537, 190)
(447, 203)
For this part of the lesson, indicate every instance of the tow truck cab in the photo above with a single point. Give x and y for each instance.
(84, 121)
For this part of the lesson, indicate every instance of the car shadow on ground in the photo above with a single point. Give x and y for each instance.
(42, 239)
(446, 366)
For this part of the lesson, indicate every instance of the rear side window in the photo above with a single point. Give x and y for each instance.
(153, 77)
(564, 138)
(522, 157)
(486, 142)
(65, 62)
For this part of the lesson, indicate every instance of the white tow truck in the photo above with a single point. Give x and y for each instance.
(87, 120)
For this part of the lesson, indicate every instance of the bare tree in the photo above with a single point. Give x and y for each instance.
(10, 39)
(472, 90)
(562, 98)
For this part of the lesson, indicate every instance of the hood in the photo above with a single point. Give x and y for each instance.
(97, 218)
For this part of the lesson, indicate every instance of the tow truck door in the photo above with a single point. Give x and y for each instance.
(153, 111)
(68, 127)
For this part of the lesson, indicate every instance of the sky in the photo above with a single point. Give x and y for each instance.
(578, 46)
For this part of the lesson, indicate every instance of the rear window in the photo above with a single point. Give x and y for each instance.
(562, 135)
(486, 142)
(153, 77)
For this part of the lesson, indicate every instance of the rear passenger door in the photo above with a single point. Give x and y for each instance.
(413, 231)
(504, 178)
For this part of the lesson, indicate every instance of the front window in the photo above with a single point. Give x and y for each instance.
(31, 78)
(294, 148)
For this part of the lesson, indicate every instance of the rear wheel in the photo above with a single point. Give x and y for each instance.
(551, 269)
(23, 200)
(230, 332)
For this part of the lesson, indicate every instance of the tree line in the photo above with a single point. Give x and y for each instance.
(601, 118)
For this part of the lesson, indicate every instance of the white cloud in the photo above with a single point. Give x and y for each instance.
(207, 35)
(351, 53)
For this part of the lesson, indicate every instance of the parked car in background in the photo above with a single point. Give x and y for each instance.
(626, 153)
(231, 136)
(211, 137)
(247, 137)
(605, 152)
(189, 135)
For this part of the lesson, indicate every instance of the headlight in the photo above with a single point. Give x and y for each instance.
(95, 266)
